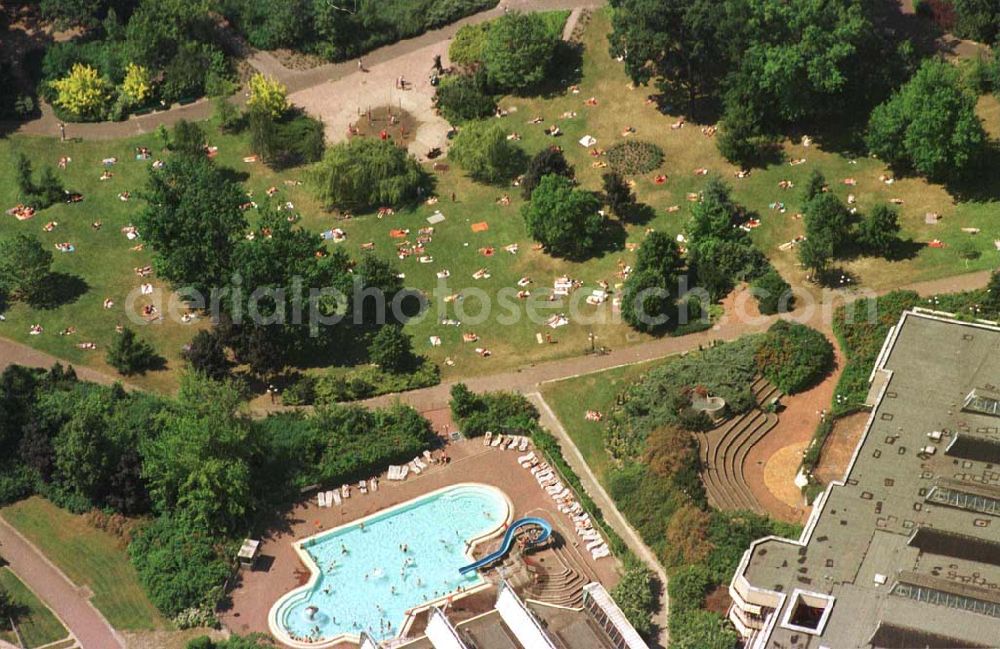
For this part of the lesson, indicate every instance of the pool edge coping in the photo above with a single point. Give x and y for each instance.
(410, 614)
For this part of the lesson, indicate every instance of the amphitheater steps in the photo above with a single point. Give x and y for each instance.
(724, 451)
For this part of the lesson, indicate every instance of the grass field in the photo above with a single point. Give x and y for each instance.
(89, 557)
(105, 263)
(38, 625)
(570, 399)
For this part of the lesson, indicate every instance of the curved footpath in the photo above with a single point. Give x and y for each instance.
(294, 80)
(70, 603)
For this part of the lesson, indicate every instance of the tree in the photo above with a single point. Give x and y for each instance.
(700, 629)
(464, 97)
(617, 194)
(929, 125)
(192, 222)
(548, 161)
(268, 95)
(773, 293)
(878, 232)
(199, 466)
(24, 176)
(365, 172)
(687, 536)
(188, 139)
(794, 357)
(130, 355)
(978, 20)
(391, 349)
(468, 45)
(816, 252)
(483, 150)
(744, 136)
(137, 86)
(464, 402)
(660, 254)
(669, 450)
(25, 267)
(207, 355)
(518, 51)
(563, 219)
(647, 302)
(815, 185)
(635, 596)
(83, 92)
(49, 190)
(827, 218)
(684, 45)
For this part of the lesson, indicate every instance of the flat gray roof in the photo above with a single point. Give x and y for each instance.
(934, 590)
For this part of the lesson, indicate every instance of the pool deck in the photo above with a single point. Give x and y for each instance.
(280, 569)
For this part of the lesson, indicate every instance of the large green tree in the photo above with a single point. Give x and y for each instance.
(483, 150)
(199, 467)
(565, 220)
(25, 266)
(366, 172)
(192, 222)
(518, 51)
(977, 19)
(878, 232)
(929, 125)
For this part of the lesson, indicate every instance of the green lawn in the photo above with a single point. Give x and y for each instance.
(89, 557)
(570, 399)
(38, 625)
(105, 262)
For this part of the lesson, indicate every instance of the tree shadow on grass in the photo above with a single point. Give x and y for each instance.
(612, 238)
(565, 70)
(60, 289)
(981, 183)
(905, 249)
(638, 214)
(232, 175)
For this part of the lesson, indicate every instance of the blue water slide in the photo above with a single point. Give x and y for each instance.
(508, 540)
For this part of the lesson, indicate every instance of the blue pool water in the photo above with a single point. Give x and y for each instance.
(367, 582)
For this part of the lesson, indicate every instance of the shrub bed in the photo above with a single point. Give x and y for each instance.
(633, 157)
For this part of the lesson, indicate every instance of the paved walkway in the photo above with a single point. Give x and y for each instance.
(397, 54)
(69, 603)
(607, 506)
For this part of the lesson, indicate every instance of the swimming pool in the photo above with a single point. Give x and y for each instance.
(363, 580)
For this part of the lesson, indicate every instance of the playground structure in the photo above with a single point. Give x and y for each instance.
(508, 542)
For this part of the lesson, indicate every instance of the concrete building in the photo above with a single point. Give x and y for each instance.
(524, 624)
(905, 551)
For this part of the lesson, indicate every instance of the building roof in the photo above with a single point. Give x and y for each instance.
(908, 544)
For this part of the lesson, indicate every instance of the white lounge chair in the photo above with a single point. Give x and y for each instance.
(363, 488)
(487, 438)
(414, 467)
(373, 484)
(419, 463)
(512, 443)
(523, 446)
(345, 491)
(594, 544)
(535, 470)
(554, 488)
(335, 497)
(497, 441)
(524, 459)
(582, 517)
(562, 494)
(427, 456)
(591, 535)
(403, 472)
(600, 552)
(321, 499)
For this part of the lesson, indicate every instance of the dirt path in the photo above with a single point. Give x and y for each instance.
(15, 353)
(607, 506)
(70, 603)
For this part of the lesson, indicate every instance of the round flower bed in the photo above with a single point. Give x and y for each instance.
(634, 157)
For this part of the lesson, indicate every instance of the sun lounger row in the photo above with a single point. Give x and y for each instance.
(398, 472)
(336, 497)
(508, 442)
(566, 503)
